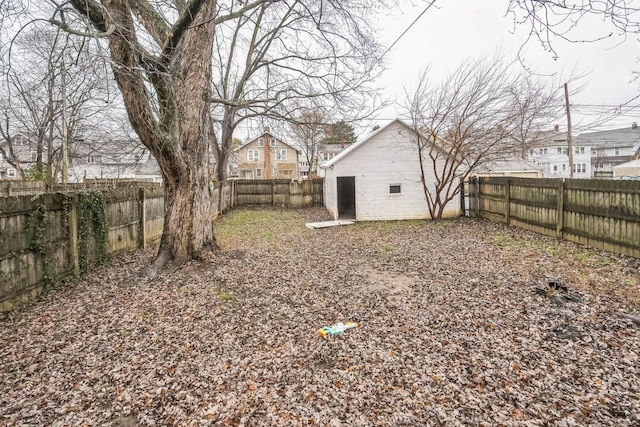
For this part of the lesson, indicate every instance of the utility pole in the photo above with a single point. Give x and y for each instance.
(569, 137)
(65, 142)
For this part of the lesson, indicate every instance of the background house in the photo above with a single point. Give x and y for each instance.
(611, 148)
(115, 159)
(378, 178)
(550, 154)
(265, 157)
(25, 151)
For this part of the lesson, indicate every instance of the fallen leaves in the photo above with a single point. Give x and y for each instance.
(453, 332)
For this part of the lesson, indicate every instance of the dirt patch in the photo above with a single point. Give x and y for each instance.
(395, 286)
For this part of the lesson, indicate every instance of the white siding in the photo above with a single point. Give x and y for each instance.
(387, 158)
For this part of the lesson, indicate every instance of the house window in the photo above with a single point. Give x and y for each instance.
(261, 142)
(395, 189)
(254, 155)
(559, 150)
(11, 173)
(281, 154)
(92, 159)
(581, 150)
(617, 152)
(137, 157)
(555, 168)
(579, 168)
(544, 151)
(258, 172)
(531, 152)
(34, 156)
(272, 143)
(564, 167)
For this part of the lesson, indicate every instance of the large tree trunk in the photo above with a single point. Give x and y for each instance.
(179, 132)
(188, 222)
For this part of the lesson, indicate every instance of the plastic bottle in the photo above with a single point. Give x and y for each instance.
(338, 328)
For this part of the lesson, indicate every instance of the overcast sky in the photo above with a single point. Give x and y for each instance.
(451, 31)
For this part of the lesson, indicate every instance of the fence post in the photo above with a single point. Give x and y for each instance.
(142, 220)
(73, 235)
(273, 192)
(477, 197)
(560, 208)
(234, 196)
(507, 202)
(462, 196)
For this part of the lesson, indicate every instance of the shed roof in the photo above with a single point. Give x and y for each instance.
(631, 164)
(362, 141)
(513, 164)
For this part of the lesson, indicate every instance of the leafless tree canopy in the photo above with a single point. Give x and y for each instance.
(548, 20)
(282, 59)
(31, 102)
(479, 113)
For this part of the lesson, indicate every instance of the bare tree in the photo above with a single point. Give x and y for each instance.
(557, 19)
(308, 130)
(467, 120)
(534, 105)
(283, 58)
(32, 103)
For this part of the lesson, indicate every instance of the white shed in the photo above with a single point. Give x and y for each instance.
(378, 178)
(631, 168)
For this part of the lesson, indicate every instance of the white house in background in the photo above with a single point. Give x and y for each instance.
(378, 178)
(551, 155)
(612, 147)
(128, 163)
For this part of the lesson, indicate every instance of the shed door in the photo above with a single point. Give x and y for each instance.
(346, 197)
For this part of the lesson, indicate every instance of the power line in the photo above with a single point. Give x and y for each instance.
(406, 30)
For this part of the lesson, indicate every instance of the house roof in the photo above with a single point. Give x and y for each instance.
(362, 141)
(514, 164)
(333, 148)
(262, 135)
(631, 164)
(625, 137)
(554, 138)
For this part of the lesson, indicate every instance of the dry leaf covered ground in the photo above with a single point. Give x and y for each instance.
(458, 328)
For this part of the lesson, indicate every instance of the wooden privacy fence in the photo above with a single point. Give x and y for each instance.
(276, 192)
(45, 237)
(603, 214)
